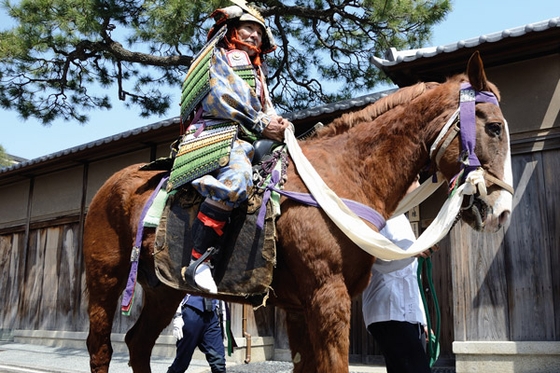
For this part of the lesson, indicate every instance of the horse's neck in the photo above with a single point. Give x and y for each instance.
(393, 164)
(373, 170)
(374, 161)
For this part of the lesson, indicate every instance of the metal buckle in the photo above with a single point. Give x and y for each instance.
(467, 95)
(135, 254)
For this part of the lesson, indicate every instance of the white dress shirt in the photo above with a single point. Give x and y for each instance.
(393, 293)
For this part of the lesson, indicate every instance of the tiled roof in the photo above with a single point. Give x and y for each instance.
(307, 114)
(92, 144)
(393, 56)
(496, 49)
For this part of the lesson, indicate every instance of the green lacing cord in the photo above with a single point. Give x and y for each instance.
(433, 338)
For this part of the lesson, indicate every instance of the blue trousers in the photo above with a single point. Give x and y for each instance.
(202, 330)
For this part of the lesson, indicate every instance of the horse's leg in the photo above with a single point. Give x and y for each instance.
(323, 342)
(158, 309)
(99, 338)
(303, 357)
(104, 288)
(328, 315)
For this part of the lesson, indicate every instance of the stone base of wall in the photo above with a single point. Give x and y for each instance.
(262, 348)
(282, 354)
(507, 357)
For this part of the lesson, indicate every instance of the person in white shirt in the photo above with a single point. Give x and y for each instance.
(392, 306)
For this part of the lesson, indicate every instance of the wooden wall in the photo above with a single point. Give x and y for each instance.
(42, 284)
(507, 287)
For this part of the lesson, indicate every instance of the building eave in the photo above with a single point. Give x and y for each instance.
(437, 63)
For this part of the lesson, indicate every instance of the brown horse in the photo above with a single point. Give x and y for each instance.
(370, 156)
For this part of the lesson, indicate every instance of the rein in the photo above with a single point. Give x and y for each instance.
(425, 265)
(355, 228)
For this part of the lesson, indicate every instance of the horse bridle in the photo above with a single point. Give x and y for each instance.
(463, 122)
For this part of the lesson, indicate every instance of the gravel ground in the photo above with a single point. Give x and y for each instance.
(19, 357)
(286, 367)
(262, 367)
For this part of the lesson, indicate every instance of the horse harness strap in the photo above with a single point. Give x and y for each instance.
(463, 122)
(451, 134)
(425, 265)
(467, 117)
(128, 294)
(363, 211)
(356, 229)
(498, 182)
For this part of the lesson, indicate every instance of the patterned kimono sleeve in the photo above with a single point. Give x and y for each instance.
(231, 98)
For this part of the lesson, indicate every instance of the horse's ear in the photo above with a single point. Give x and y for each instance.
(476, 74)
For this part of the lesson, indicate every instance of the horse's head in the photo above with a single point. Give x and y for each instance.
(483, 129)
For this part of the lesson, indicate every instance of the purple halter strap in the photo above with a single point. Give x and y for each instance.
(468, 98)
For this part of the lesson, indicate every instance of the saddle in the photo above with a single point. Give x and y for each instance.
(247, 252)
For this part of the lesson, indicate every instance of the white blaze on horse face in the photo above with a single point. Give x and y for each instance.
(503, 205)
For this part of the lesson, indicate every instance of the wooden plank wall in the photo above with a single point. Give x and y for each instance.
(42, 287)
(11, 276)
(506, 286)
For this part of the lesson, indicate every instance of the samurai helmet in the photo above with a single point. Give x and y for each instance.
(242, 12)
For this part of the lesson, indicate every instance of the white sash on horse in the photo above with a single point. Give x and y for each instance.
(359, 232)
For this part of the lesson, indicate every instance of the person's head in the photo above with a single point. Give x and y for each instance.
(245, 25)
(250, 37)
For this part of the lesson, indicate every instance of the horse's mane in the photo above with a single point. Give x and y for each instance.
(370, 112)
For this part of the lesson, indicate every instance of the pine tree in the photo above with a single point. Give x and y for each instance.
(59, 50)
(5, 159)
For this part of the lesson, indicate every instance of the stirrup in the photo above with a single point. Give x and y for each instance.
(189, 273)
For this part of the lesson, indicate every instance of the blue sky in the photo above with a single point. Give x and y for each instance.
(472, 18)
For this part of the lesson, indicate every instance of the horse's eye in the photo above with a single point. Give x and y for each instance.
(494, 128)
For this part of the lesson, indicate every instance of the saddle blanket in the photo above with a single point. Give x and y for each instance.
(247, 256)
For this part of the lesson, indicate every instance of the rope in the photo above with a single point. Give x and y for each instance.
(433, 339)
